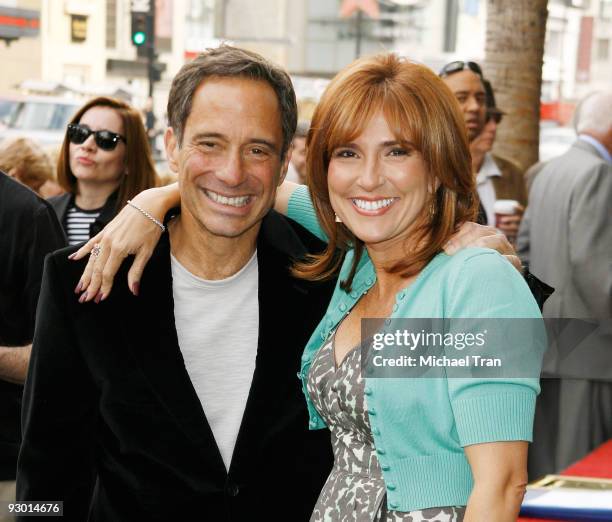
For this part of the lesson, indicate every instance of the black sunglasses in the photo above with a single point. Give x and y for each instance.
(105, 139)
(495, 115)
(453, 67)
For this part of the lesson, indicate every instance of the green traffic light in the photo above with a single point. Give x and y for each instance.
(139, 38)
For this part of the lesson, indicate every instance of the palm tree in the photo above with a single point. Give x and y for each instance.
(513, 63)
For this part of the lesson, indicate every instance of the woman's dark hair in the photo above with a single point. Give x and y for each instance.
(138, 160)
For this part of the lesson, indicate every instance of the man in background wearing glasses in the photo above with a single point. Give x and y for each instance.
(496, 177)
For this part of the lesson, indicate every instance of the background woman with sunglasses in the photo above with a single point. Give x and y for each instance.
(105, 160)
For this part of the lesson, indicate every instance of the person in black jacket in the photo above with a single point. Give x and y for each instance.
(28, 231)
(105, 160)
(174, 405)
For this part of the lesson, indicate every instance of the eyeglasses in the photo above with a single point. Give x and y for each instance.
(495, 115)
(453, 67)
(105, 139)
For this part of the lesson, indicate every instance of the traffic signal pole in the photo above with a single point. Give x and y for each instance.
(151, 48)
(143, 37)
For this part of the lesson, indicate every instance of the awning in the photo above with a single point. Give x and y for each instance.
(16, 23)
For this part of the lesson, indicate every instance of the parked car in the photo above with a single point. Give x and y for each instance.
(555, 140)
(7, 106)
(42, 119)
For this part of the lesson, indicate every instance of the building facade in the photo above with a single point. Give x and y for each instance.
(20, 42)
(86, 44)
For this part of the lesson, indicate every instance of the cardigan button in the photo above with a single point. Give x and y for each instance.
(369, 281)
(354, 294)
(391, 487)
(401, 296)
(395, 307)
(375, 431)
(385, 467)
(393, 505)
(342, 307)
(367, 390)
(380, 451)
(372, 411)
(312, 424)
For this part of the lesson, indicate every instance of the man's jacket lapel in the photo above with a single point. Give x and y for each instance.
(154, 344)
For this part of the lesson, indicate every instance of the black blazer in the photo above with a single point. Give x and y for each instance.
(108, 394)
(28, 232)
(62, 203)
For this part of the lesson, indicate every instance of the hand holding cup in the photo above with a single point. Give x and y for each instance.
(508, 215)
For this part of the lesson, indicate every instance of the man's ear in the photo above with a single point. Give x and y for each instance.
(172, 149)
(285, 164)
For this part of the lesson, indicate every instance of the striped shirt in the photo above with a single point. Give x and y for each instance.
(78, 222)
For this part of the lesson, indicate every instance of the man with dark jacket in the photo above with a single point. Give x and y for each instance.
(184, 401)
(28, 231)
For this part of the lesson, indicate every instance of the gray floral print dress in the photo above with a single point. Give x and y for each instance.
(355, 489)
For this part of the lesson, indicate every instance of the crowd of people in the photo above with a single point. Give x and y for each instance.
(175, 397)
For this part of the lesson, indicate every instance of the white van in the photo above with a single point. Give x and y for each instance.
(40, 118)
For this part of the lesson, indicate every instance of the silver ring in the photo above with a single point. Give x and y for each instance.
(95, 251)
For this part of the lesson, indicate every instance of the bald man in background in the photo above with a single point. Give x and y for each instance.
(569, 220)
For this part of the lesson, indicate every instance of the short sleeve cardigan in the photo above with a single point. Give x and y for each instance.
(420, 425)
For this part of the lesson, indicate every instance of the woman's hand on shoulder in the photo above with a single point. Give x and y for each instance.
(474, 235)
(130, 232)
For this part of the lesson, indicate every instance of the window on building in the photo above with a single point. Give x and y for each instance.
(111, 24)
(584, 4)
(603, 49)
(333, 42)
(78, 28)
(552, 46)
(471, 7)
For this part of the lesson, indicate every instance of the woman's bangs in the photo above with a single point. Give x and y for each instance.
(404, 120)
(350, 116)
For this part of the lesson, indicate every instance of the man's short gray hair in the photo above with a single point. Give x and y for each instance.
(594, 113)
(231, 62)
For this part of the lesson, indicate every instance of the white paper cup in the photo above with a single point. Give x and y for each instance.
(505, 207)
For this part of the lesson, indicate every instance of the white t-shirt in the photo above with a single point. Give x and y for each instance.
(484, 185)
(217, 323)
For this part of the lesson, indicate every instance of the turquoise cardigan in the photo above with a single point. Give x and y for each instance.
(420, 425)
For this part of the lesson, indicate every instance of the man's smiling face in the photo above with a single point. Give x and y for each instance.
(229, 162)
